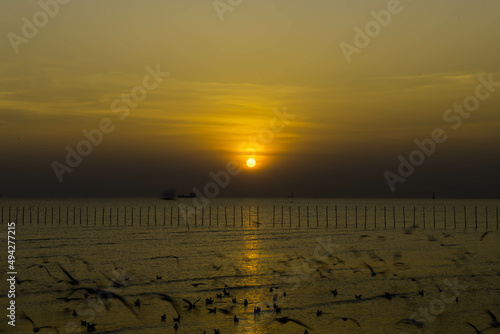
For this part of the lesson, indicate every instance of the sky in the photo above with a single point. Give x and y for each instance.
(328, 97)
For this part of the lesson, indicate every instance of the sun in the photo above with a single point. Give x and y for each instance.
(251, 162)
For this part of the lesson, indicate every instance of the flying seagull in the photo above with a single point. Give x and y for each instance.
(35, 328)
(287, 319)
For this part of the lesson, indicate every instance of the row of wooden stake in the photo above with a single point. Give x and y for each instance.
(98, 216)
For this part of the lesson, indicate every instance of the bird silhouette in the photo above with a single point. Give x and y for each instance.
(484, 235)
(191, 305)
(413, 322)
(72, 280)
(105, 295)
(345, 319)
(35, 328)
(495, 323)
(40, 266)
(477, 331)
(287, 319)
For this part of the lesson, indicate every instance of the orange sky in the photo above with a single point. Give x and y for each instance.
(228, 79)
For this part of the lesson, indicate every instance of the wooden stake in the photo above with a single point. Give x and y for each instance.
(465, 217)
(281, 216)
(326, 213)
(414, 216)
(274, 213)
(365, 216)
(445, 217)
(308, 216)
(454, 218)
(346, 216)
(423, 212)
(356, 214)
(486, 209)
(385, 218)
(336, 217)
(475, 214)
(404, 218)
(317, 216)
(299, 215)
(394, 216)
(434, 215)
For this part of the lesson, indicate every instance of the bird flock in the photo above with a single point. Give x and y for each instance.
(221, 303)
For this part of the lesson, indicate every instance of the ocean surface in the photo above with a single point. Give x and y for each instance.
(91, 259)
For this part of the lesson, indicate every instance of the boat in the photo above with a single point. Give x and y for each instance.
(190, 195)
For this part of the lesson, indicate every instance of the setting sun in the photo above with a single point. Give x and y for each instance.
(251, 162)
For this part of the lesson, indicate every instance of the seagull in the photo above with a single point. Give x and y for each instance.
(172, 302)
(236, 319)
(287, 319)
(163, 317)
(191, 305)
(334, 292)
(197, 284)
(373, 273)
(345, 319)
(90, 327)
(358, 296)
(35, 328)
(40, 266)
(114, 282)
(410, 321)
(216, 267)
(176, 327)
(495, 323)
(103, 294)
(477, 331)
(72, 280)
(484, 234)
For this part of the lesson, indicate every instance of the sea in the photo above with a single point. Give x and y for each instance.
(303, 265)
